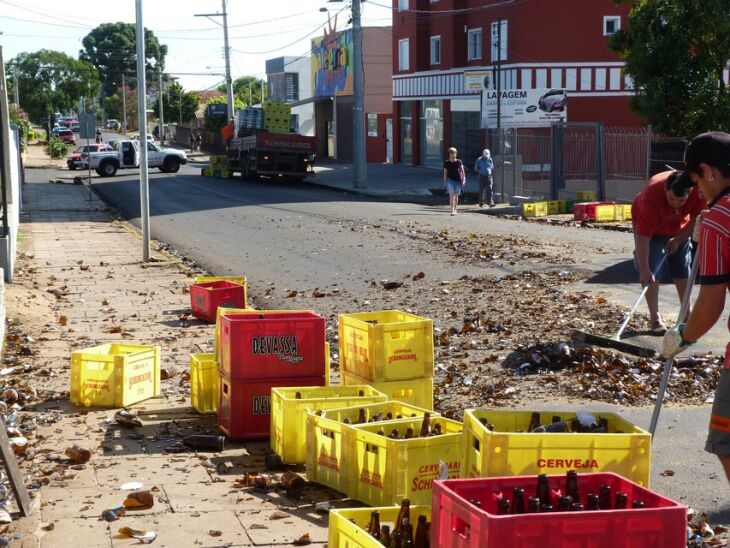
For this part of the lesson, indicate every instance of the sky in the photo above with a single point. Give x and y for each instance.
(257, 30)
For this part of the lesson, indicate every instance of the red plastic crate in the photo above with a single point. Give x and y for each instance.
(244, 407)
(205, 298)
(587, 211)
(457, 523)
(272, 346)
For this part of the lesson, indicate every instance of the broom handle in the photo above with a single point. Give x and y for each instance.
(668, 364)
(617, 336)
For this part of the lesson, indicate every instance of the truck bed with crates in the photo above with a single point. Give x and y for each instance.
(273, 155)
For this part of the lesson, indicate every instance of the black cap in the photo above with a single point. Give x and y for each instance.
(712, 148)
(680, 183)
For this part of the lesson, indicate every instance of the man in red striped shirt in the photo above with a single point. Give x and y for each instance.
(707, 160)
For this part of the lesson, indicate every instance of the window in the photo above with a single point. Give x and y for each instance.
(499, 40)
(403, 54)
(474, 44)
(435, 50)
(611, 24)
(402, 5)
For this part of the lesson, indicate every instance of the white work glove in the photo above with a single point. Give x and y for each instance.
(673, 342)
(698, 223)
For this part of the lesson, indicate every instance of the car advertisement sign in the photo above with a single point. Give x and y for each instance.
(524, 107)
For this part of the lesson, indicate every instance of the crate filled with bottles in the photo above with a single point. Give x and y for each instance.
(400, 459)
(331, 445)
(289, 407)
(389, 527)
(600, 510)
(513, 443)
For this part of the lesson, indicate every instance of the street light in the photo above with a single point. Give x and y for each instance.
(229, 81)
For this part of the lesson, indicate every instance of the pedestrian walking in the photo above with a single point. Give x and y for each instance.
(454, 179)
(663, 215)
(191, 143)
(707, 162)
(484, 166)
(198, 142)
(98, 136)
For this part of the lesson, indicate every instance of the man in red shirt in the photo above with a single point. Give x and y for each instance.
(663, 215)
(707, 161)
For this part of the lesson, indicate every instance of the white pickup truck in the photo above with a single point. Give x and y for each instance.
(125, 154)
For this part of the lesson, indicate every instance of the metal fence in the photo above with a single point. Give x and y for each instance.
(559, 161)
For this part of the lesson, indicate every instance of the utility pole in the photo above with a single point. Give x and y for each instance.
(226, 51)
(162, 108)
(358, 107)
(499, 101)
(16, 91)
(124, 105)
(144, 182)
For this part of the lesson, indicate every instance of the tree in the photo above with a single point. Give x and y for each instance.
(675, 51)
(179, 104)
(51, 81)
(111, 47)
(246, 89)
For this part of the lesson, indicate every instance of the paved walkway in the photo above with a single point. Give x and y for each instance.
(81, 272)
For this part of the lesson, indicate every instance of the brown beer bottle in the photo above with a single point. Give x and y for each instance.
(361, 393)
(404, 512)
(534, 421)
(560, 426)
(407, 539)
(564, 504)
(622, 500)
(604, 497)
(375, 531)
(556, 418)
(389, 416)
(425, 425)
(409, 433)
(543, 489)
(592, 502)
(571, 485)
(638, 504)
(362, 417)
(533, 505)
(518, 501)
(381, 432)
(346, 420)
(436, 431)
(576, 507)
(394, 434)
(298, 396)
(395, 538)
(385, 535)
(421, 538)
(503, 506)
(369, 528)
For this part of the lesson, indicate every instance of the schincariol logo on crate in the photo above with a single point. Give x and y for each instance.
(262, 405)
(360, 351)
(283, 347)
(427, 473)
(97, 387)
(571, 464)
(371, 478)
(136, 379)
(403, 354)
(328, 461)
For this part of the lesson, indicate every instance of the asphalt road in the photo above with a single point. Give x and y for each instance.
(304, 236)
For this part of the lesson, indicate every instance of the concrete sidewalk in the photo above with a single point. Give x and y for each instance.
(81, 282)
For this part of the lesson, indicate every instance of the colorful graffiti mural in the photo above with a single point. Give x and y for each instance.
(332, 63)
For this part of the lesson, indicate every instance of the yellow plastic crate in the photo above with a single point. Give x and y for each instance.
(386, 346)
(586, 195)
(241, 280)
(343, 533)
(204, 382)
(553, 207)
(623, 212)
(289, 413)
(115, 375)
(606, 213)
(389, 470)
(418, 392)
(626, 449)
(534, 209)
(330, 442)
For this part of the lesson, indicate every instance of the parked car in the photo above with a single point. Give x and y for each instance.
(553, 101)
(113, 124)
(149, 137)
(73, 160)
(67, 136)
(75, 127)
(57, 129)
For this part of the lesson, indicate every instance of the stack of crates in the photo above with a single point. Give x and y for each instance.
(219, 167)
(258, 350)
(586, 195)
(464, 515)
(277, 117)
(594, 211)
(390, 350)
(348, 526)
(249, 118)
(510, 449)
(115, 375)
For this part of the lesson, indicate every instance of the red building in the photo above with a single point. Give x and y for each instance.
(537, 44)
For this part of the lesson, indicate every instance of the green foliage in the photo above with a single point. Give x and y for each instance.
(217, 121)
(56, 148)
(111, 47)
(51, 81)
(179, 105)
(24, 129)
(675, 51)
(246, 89)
